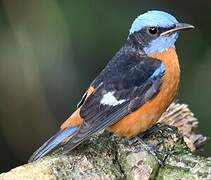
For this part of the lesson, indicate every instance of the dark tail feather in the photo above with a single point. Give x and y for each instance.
(53, 142)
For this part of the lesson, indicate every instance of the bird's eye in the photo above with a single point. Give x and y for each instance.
(152, 30)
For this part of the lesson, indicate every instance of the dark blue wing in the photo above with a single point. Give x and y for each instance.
(126, 83)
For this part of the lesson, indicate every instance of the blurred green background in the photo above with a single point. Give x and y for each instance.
(50, 50)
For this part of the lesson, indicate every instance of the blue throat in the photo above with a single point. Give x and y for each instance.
(161, 44)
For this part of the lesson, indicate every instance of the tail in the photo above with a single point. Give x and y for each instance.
(55, 141)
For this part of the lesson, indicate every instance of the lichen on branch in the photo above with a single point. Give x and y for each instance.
(106, 156)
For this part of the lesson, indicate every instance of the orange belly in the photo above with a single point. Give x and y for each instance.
(148, 114)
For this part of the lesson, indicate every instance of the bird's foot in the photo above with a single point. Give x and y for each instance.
(140, 145)
(144, 142)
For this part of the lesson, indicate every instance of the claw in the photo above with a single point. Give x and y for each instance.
(146, 147)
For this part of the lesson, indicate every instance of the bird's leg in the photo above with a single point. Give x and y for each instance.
(161, 132)
(146, 147)
(143, 142)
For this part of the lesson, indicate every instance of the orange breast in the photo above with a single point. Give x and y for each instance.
(148, 114)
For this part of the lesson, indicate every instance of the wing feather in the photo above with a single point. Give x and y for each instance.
(97, 120)
(130, 78)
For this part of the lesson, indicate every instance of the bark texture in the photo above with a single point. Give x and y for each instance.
(106, 156)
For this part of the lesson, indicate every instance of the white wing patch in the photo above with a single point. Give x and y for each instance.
(110, 99)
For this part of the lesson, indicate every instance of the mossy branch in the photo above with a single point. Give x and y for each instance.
(106, 156)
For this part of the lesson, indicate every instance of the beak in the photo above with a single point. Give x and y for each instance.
(178, 27)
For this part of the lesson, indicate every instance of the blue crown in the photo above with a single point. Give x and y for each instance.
(153, 18)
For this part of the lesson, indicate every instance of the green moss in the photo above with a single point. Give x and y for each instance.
(172, 173)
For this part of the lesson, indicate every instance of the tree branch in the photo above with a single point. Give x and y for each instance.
(106, 156)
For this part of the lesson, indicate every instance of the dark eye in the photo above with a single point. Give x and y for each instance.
(152, 30)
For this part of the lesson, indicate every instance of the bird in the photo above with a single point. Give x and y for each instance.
(132, 91)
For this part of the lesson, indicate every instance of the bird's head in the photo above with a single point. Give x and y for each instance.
(155, 31)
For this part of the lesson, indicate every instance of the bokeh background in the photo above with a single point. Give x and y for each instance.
(50, 50)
